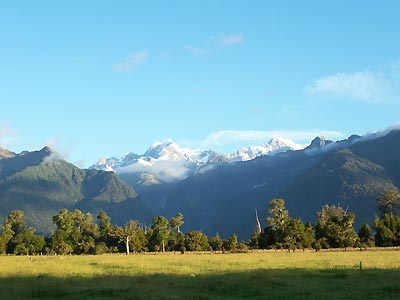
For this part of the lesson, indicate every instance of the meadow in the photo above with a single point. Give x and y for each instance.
(261, 275)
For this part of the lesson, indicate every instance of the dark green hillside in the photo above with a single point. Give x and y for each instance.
(105, 186)
(384, 151)
(352, 177)
(20, 162)
(41, 185)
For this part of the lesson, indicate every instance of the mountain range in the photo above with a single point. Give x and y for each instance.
(215, 193)
(167, 162)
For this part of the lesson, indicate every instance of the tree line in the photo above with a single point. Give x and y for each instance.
(334, 228)
(78, 233)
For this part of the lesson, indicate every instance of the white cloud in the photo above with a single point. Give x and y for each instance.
(372, 86)
(58, 150)
(197, 50)
(226, 137)
(164, 170)
(229, 40)
(379, 133)
(53, 157)
(131, 62)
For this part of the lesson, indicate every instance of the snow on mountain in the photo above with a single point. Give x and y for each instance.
(168, 162)
(166, 150)
(274, 146)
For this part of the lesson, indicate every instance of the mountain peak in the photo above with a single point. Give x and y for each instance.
(46, 149)
(318, 142)
(277, 142)
(162, 144)
(165, 149)
(4, 153)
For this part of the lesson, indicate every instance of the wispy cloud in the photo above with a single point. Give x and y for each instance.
(229, 40)
(131, 62)
(372, 86)
(217, 43)
(226, 137)
(197, 50)
(6, 135)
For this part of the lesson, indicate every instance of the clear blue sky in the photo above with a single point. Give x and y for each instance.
(102, 78)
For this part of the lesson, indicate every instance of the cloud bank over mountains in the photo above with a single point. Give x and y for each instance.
(168, 162)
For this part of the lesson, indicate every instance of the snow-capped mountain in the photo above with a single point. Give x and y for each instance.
(274, 146)
(166, 150)
(168, 162)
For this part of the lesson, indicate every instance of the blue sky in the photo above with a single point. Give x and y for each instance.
(102, 78)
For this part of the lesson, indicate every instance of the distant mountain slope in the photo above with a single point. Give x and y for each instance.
(352, 173)
(41, 184)
(340, 178)
(353, 177)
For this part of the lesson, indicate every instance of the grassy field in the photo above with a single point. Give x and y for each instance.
(269, 275)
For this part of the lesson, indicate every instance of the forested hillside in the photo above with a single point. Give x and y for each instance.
(41, 184)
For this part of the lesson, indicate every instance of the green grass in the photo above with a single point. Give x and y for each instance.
(269, 275)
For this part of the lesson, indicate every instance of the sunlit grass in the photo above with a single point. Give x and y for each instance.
(67, 266)
(268, 275)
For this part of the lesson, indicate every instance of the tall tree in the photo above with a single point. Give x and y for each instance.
(232, 242)
(17, 238)
(279, 216)
(387, 230)
(125, 234)
(196, 240)
(84, 233)
(27, 242)
(216, 242)
(76, 233)
(139, 241)
(6, 235)
(105, 226)
(176, 222)
(334, 228)
(160, 232)
(277, 223)
(106, 241)
(297, 235)
(365, 237)
(388, 202)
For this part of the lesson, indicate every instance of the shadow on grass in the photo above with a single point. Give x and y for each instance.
(258, 284)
